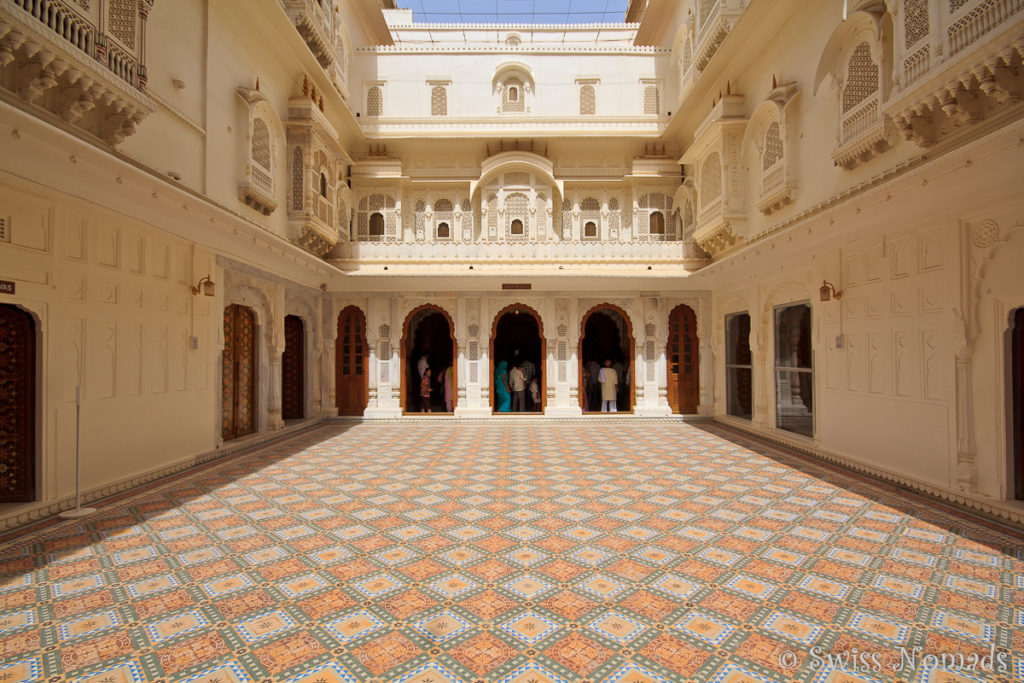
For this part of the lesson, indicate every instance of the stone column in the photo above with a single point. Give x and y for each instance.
(966, 448)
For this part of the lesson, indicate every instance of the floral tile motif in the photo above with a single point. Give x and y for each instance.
(880, 627)
(354, 625)
(263, 626)
(438, 628)
(616, 626)
(487, 552)
(174, 626)
(529, 627)
(705, 627)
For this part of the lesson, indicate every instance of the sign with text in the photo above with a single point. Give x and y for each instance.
(516, 285)
(6, 287)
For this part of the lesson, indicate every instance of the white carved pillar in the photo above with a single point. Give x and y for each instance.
(328, 355)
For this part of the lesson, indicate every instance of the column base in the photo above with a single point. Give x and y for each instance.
(563, 411)
(382, 413)
(478, 413)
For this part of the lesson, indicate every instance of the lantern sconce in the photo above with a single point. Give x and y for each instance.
(205, 285)
(828, 291)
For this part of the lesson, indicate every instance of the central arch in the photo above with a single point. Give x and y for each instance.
(428, 329)
(606, 333)
(518, 327)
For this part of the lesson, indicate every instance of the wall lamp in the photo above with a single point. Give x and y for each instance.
(205, 285)
(829, 291)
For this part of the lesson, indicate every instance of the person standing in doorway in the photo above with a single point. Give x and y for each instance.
(592, 386)
(529, 372)
(449, 404)
(422, 364)
(425, 390)
(609, 388)
(517, 378)
(502, 397)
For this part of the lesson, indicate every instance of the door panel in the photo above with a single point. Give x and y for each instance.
(293, 369)
(683, 365)
(17, 405)
(238, 372)
(350, 364)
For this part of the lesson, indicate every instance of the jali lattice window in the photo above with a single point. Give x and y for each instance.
(590, 218)
(711, 180)
(438, 101)
(772, 147)
(512, 95)
(652, 100)
(261, 143)
(297, 171)
(374, 101)
(861, 78)
(588, 100)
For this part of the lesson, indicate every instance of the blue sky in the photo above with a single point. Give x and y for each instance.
(517, 11)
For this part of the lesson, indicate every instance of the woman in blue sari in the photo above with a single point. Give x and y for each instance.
(502, 396)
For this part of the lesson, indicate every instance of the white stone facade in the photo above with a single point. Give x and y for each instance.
(315, 155)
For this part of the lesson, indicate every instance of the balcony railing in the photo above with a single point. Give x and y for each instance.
(64, 24)
(518, 252)
(979, 21)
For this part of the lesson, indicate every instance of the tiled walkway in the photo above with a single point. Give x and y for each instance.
(430, 552)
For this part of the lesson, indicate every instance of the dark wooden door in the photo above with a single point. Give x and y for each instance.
(683, 366)
(350, 362)
(1017, 377)
(17, 405)
(238, 372)
(293, 369)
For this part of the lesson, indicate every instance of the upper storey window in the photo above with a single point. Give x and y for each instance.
(513, 95)
(513, 86)
(375, 101)
(652, 98)
(438, 101)
(588, 96)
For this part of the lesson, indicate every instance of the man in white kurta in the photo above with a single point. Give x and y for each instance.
(609, 388)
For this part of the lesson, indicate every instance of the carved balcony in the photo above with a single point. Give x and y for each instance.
(517, 256)
(314, 158)
(314, 23)
(715, 20)
(963, 70)
(78, 61)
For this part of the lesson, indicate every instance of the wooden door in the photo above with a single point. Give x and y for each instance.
(17, 405)
(293, 369)
(350, 362)
(683, 365)
(1017, 379)
(238, 373)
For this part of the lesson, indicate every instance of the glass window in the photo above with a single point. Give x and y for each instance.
(794, 376)
(738, 367)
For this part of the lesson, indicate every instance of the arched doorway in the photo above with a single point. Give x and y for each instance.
(17, 405)
(607, 336)
(517, 337)
(238, 390)
(293, 369)
(428, 332)
(350, 363)
(1017, 391)
(682, 356)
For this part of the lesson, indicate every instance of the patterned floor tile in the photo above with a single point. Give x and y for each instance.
(639, 551)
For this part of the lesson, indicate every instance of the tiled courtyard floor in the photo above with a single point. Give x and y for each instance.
(603, 551)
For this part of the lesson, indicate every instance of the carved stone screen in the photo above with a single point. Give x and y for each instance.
(17, 405)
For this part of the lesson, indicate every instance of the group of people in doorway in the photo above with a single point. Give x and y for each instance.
(605, 388)
(516, 389)
(517, 386)
(445, 382)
